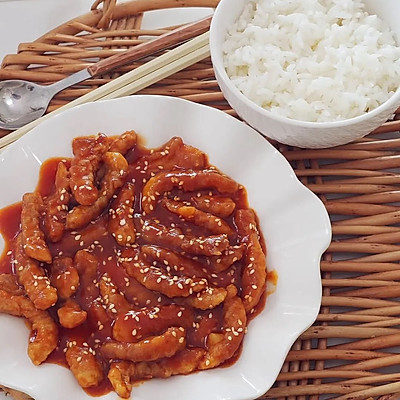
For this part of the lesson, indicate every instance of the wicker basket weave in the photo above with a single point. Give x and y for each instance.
(353, 349)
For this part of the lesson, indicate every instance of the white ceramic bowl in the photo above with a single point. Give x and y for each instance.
(290, 131)
(294, 222)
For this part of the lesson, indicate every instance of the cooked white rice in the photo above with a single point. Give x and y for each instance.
(312, 60)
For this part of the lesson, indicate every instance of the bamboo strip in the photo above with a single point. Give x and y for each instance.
(358, 283)
(385, 257)
(358, 302)
(353, 266)
(378, 163)
(366, 380)
(372, 343)
(380, 219)
(356, 247)
(385, 310)
(305, 154)
(325, 374)
(349, 188)
(352, 332)
(383, 324)
(336, 354)
(363, 230)
(373, 363)
(391, 126)
(383, 179)
(393, 237)
(386, 275)
(357, 208)
(313, 389)
(351, 318)
(339, 172)
(382, 292)
(373, 144)
(386, 197)
(375, 391)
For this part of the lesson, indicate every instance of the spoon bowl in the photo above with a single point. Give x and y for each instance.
(22, 102)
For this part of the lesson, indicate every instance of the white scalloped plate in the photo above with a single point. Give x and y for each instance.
(294, 221)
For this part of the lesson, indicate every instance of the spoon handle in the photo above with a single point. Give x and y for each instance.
(144, 49)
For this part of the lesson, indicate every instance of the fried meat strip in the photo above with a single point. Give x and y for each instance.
(84, 365)
(123, 373)
(152, 348)
(120, 223)
(182, 363)
(83, 181)
(119, 376)
(88, 153)
(227, 258)
(217, 205)
(33, 278)
(173, 154)
(64, 277)
(114, 178)
(56, 205)
(32, 236)
(200, 218)
(155, 233)
(136, 325)
(71, 315)
(178, 264)
(138, 294)
(44, 336)
(123, 143)
(207, 299)
(185, 180)
(222, 346)
(9, 283)
(86, 265)
(113, 299)
(254, 274)
(91, 148)
(154, 278)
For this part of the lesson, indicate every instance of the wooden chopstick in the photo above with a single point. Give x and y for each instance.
(159, 68)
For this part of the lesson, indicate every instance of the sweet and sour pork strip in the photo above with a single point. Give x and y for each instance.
(120, 223)
(156, 233)
(200, 218)
(152, 348)
(217, 205)
(188, 180)
(114, 178)
(64, 277)
(123, 373)
(88, 153)
(33, 239)
(136, 325)
(123, 143)
(56, 205)
(71, 315)
(222, 346)
(83, 364)
(153, 278)
(44, 332)
(173, 154)
(178, 264)
(254, 273)
(33, 278)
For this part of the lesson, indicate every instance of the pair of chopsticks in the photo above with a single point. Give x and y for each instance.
(143, 76)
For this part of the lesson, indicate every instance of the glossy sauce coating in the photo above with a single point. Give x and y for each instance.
(113, 299)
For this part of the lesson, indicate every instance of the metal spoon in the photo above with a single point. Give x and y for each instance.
(22, 102)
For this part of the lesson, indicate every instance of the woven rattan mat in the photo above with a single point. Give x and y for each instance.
(353, 349)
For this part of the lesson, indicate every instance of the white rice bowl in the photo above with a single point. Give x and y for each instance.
(312, 60)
